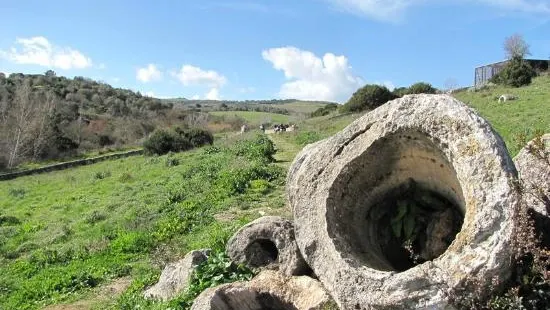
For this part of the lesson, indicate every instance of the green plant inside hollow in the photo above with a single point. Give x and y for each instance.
(422, 224)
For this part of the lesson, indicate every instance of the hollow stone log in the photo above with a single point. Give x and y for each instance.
(268, 290)
(405, 204)
(269, 243)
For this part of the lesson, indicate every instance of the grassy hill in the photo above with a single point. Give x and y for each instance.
(529, 113)
(254, 118)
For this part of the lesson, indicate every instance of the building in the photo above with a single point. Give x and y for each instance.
(484, 73)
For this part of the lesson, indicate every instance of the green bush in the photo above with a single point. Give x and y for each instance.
(400, 91)
(325, 110)
(197, 137)
(367, 98)
(516, 73)
(259, 148)
(421, 88)
(163, 141)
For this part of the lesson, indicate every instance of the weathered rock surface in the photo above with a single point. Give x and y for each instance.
(533, 165)
(334, 187)
(267, 242)
(268, 290)
(175, 277)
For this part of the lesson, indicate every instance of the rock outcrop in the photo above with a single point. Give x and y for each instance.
(394, 175)
(268, 290)
(175, 277)
(269, 243)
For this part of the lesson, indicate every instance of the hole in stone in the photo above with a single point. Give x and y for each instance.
(399, 204)
(261, 252)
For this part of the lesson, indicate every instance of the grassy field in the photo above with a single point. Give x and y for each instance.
(301, 106)
(529, 113)
(255, 118)
(65, 234)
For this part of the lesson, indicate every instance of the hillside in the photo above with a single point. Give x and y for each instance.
(50, 117)
(524, 116)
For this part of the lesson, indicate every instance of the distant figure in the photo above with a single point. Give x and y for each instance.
(244, 129)
(506, 97)
(262, 128)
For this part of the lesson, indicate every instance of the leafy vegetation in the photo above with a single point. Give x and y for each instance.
(516, 73)
(326, 110)
(367, 98)
(66, 233)
(521, 117)
(177, 140)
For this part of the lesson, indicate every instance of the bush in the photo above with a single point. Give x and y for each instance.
(367, 98)
(400, 91)
(197, 137)
(516, 73)
(421, 88)
(325, 110)
(132, 242)
(163, 141)
(260, 148)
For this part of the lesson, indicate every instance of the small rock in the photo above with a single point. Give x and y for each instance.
(175, 277)
(268, 290)
(267, 242)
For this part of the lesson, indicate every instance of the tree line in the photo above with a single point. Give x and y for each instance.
(45, 116)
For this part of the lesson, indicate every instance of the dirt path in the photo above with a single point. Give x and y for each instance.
(286, 149)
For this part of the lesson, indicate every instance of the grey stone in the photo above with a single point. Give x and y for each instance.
(269, 243)
(175, 276)
(268, 290)
(336, 187)
(533, 165)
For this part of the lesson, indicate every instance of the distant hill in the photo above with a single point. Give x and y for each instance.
(279, 106)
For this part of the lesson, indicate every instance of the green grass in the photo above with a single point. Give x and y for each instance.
(65, 233)
(255, 118)
(301, 106)
(523, 116)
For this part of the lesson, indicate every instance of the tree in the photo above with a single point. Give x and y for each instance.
(421, 88)
(515, 46)
(368, 97)
(516, 73)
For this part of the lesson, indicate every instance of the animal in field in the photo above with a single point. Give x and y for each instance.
(506, 97)
(244, 128)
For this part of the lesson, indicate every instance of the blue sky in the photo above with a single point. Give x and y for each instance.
(244, 49)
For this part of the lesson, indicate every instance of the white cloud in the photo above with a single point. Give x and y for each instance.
(191, 75)
(149, 94)
(39, 51)
(195, 97)
(393, 10)
(313, 78)
(148, 74)
(213, 94)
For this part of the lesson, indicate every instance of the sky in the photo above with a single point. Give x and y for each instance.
(266, 49)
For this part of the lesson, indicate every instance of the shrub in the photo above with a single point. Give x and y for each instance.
(516, 73)
(400, 91)
(197, 137)
(367, 98)
(325, 110)
(259, 148)
(163, 141)
(421, 88)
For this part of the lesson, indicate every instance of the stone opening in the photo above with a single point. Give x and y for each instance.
(261, 252)
(396, 205)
